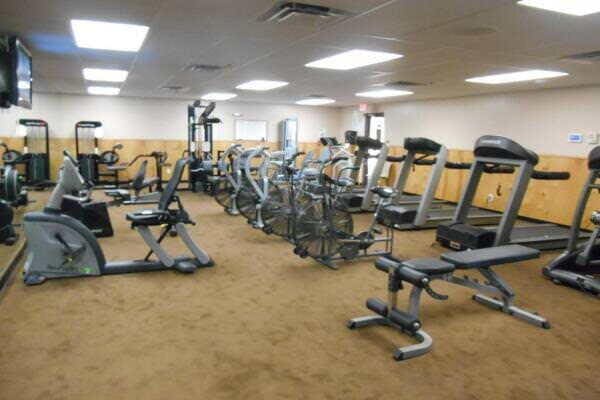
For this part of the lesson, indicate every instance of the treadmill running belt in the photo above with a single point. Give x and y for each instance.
(447, 213)
(544, 236)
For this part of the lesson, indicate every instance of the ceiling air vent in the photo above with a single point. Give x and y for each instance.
(584, 58)
(204, 67)
(406, 83)
(285, 10)
(175, 88)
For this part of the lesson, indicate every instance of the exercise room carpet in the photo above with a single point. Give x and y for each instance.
(265, 324)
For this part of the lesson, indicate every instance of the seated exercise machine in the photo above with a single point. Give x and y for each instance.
(494, 152)
(421, 272)
(59, 246)
(579, 265)
(77, 203)
(133, 194)
(403, 215)
(359, 197)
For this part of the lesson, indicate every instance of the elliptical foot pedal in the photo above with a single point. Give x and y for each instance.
(209, 263)
(185, 267)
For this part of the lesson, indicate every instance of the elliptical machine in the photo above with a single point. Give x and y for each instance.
(579, 265)
(59, 246)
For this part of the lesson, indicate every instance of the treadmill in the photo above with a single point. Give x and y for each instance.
(360, 198)
(497, 151)
(424, 214)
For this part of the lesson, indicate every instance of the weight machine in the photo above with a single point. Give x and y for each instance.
(200, 146)
(100, 168)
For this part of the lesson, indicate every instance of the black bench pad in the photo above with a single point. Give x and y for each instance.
(429, 266)
(483, 258)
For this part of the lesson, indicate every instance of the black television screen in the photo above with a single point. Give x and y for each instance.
(21, 74)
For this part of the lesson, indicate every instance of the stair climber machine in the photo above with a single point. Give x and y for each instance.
(424, 214)
(579, 265)
(492, 152)
(142, 189)
(59, 246)
(200, 147)
(360, 197)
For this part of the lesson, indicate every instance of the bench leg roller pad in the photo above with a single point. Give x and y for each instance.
(395, 319)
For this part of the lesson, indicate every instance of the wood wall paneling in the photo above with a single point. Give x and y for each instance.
(552, 201)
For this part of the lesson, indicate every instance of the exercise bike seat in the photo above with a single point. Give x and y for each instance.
(147, 217)
(383, 192)
(493, 256)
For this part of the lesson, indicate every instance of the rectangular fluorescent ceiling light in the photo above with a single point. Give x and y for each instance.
(103, 90)
(317, 101)
(572, 7)
(383, 93)
(261, 85)
(104, 75)
(512, 77)
(217, 96)
(108, 35)
(353, 59)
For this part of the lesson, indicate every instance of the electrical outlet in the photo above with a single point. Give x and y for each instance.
(591, 138)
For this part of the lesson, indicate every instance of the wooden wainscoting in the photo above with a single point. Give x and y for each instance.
(552, 201)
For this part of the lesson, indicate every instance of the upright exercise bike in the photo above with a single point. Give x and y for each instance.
(60, 246)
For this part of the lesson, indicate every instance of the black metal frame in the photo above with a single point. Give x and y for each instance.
(39, 123)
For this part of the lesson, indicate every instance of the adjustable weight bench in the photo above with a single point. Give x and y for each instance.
(422, 271)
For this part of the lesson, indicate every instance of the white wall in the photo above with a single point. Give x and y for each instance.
(127, 117)
(539, 120)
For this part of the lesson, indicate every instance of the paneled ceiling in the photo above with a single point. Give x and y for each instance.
(443, 43)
